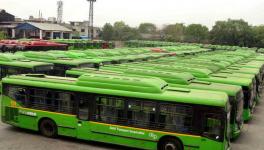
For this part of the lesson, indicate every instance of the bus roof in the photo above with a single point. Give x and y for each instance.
(54, 58)
(184, 80)
(136, 87)
(19, 61)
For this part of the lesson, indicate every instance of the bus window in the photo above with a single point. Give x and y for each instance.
(149, 113)
(213, 127)
(59, 70)
(51, 100)
(141, 114)
(12, 71)
(43, 69)
(3, 72)
(18, 94)
(109, 110)
(175, 118)
(37, 99)
(15, 71)
(134, 113)
(64, 102)
(83, 109)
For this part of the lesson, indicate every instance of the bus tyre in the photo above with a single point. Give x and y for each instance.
(48, 128)
(170, 144)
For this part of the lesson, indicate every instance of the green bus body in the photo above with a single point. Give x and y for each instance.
(248, 86)
(11, 64)
(118, 91)
(185, 80)
(60, 61)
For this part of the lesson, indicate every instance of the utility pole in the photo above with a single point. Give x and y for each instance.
(90, 23)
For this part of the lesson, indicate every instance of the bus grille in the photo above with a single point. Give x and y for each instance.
(11, 114)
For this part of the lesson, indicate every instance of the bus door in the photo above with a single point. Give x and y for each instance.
(213, 131)
(85, 102)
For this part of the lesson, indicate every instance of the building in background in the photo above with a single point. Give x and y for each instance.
(7, 23)
(80, 29)
(52, 20)
(6, 17)
(42, 31)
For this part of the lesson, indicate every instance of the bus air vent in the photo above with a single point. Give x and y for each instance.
(35, 75)
(219, 76)
(179, 90)
(121, 82)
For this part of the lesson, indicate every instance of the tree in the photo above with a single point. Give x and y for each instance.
(258, 32)
(149, 28)
(124, 32)
(174, 32)
(2, 35)
(107, 32)
(232, 32)
(196, 33)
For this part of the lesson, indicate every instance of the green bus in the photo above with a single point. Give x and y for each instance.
(130, 111)
(248, 85)
(60, 61)
(11, 64)
(184, 80)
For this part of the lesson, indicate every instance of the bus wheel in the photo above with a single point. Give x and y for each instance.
(48, 128)
(170, 144)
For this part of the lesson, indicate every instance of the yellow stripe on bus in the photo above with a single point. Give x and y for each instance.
(163, 132)
(44, 111)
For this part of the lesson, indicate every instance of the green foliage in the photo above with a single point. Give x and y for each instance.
(196, 33)
(232, 32)
(174, 32)
(123, 32)
(149, 28)
(258, 32)
(108, 32)
(229, 32)
(2, 35)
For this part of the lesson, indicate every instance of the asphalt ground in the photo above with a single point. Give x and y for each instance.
(12, 138)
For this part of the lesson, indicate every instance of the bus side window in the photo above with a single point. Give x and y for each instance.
(141, 114)
(38, 99)
(3, 72)
(83, 112)
(65, 102)
(13, 71)
(18, 94)
(149, 113)
(110, 110)
(134, 113)
(175, 118)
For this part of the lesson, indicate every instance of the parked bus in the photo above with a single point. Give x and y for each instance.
(184, 80)
(60, 61)
(130, 111)
(248, 85)
(11, 65)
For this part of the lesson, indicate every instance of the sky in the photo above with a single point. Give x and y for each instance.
(159, 12)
